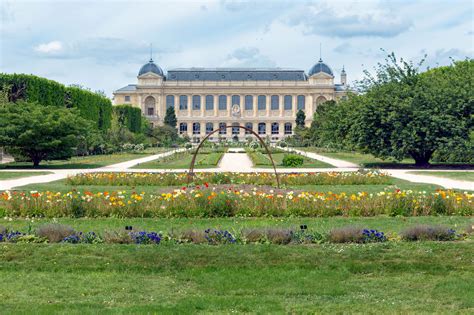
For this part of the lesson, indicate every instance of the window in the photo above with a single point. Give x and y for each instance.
(127, 98)
(183, 102)
(235, 128)
(209, 128)
(169, 101)
(209, 102)
(183, 128)
(196, 128)
(300, 104)
(222, 102)
(275, 102)
(262, 128)
(275, 128)
(196, 102)
(236, 99)
(248, 102)
(262, 102)
(288, 102)
(222, 128)
(249, 126)
(150, 106)
(288, 129)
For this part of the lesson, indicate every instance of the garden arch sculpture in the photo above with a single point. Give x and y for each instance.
(193, 161)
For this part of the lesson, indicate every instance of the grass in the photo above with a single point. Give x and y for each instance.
(383, 223)
(262, 160)
(469, 176)
(86, 162)
(369, 161)
(182, 160)
(15, 175)
(427, 277)
(61, 186)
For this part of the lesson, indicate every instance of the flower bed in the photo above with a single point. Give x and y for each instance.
(208, 202)
(176, 179)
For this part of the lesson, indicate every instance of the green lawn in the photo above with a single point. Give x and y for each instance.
(15, 175)
(261, 160)
(61, 186)
(182, 160)
(356, 157)
(469, 176)
(428, 277)
(92, 161)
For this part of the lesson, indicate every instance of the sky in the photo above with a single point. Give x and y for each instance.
(102, 44)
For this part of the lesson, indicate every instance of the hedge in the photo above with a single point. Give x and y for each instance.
(130, 116)
(31, 88)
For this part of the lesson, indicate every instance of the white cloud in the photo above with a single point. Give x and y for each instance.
(50, 48)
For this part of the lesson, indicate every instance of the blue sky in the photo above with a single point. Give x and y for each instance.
(102, 44)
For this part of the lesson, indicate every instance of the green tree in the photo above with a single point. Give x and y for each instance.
(300, 118)
(165, 135)
(407, 113)
(41, 132)
(170, 117)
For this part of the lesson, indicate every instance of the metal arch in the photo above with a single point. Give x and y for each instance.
(191, 167)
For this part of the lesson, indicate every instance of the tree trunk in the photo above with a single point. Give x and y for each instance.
(36, 161)
(422, 159)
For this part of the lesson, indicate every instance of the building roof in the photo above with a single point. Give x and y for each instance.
(128, 88)
(320, 67)
(235, 74)
(150, 67)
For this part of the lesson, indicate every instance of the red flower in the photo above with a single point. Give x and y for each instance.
(183, 188)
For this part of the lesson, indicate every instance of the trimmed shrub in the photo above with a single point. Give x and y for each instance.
(118, 237)
(429, 233)
(55, 233)
(129, 116)
(193, 236)
(292, 160)
(347, 234)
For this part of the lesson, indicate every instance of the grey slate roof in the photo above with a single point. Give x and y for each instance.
(128, 88)
(150, 67)
(235, 74)
(340, 87)
(320, 67)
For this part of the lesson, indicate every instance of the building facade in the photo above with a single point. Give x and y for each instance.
(206, 99)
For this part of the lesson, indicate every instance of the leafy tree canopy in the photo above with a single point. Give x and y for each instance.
(170, 117)
(41, 132)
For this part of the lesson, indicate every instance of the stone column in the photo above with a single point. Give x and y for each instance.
(216, 100)
(203, 104)
(255, 106)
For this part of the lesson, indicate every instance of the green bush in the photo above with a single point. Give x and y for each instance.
(30, 88)
(292, 160)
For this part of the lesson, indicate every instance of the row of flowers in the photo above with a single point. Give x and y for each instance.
(173, 179)
(207, 202)
(348, 234)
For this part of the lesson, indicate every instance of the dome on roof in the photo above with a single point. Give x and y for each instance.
(150, 67)
(320, 67)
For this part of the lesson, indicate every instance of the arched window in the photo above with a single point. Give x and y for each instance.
(300, 102)
(275, 102)
(196, 102)
(248, 125)
(150, 106)
(235, 100)
(235, 128)
(262, 102)
(222, 128)
(209, 128)
(183, 102)
(262, 128)
(196, 128)
(209, 102)
(288, 100)
(288, 129)
(222, 102)
(275, 128)
(169, 101)
(320, 100)
(248, 102)
(183, 128)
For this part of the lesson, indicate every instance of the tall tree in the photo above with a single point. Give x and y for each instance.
(407, 113)
(41, 132)
(170, 117)
(300, 118)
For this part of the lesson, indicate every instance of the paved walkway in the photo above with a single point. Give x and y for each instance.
(235, 162)
(64, 173)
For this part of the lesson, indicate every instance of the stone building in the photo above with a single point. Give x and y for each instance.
(205, 99)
